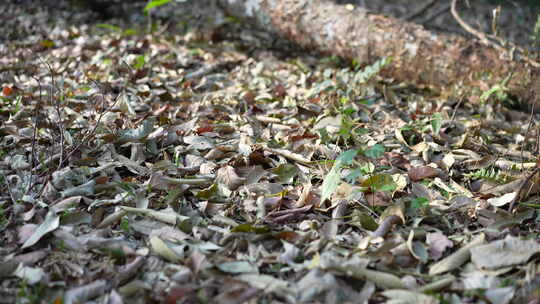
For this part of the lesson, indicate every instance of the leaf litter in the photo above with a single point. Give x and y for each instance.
(160, 168)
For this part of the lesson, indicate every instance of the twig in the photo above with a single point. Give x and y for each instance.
(486, 39)
(34, 138)
(284, 215)
(129, 67)
(481, 36)
(93, 131)
(58, 112)
(521, 187)
(365, 206)
(290, 155)
(537, 146)
(455, 109)
(163, 29)
(47, 162)
(529, 124)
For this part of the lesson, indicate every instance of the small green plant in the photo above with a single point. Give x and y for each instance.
(536, 32)
(332, 179)
(498, 91)
(124, 224)
(436, 123)
(347, 125)
(374, 182)
(18, 105)
(30, 293)
(127, 187)
(150, 6)
(419, 202)
(153, 4)
(345, 83)
(433, 123)
(490, 174)
(61, 246)
(140, 61)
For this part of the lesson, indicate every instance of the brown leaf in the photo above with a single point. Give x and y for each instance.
(258, 158)
(378, 199)
(396, 160)
(7, 90)
(177, 293)
(228, 177)
(438, 243)
(422, 172)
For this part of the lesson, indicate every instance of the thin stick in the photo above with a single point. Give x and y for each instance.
(521, 187)
(484, 38)
(56, 105)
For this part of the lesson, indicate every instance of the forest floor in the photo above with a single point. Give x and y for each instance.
(168, 164)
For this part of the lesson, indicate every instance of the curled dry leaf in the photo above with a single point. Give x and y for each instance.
(50, 223)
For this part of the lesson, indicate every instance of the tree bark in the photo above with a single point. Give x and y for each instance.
(418, 56)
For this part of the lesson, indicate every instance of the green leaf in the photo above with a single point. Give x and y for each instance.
(46, 43)
(436, 123)
(155, 3)
(353, 175)
(138, 134)
(371, 70)
(498, 90)
(348, 111)
(364, 220)
(324, 135)
(207, 193)
(322, 86)
(374, 151)
(419, 202)
(124, 224)
(380, 182)
(250, 228)
(355, 63)
(285, 173)
(139, 62)
(346, 158)
(331, 181)
(110, 27)
(129, 32)
(361, 131)
(367, 168)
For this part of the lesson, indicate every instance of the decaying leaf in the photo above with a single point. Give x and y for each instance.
(503, 253)
(50, 223)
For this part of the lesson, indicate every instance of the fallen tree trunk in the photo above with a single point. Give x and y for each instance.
(418, 56)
